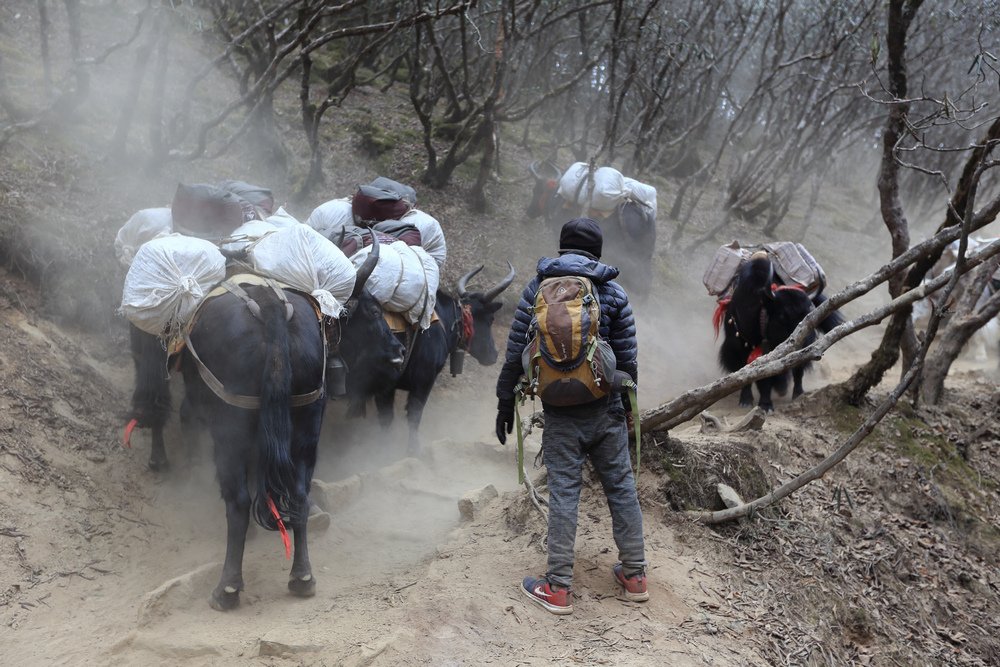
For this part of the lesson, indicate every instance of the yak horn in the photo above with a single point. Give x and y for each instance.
(495, 291)
(464, 280)
(366, 268)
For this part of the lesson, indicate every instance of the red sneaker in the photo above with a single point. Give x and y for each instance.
(634, 586)
(541, 592)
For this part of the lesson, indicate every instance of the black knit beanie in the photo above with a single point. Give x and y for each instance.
(581, 234)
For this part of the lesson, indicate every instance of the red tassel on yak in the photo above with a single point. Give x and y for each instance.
(281, 528)
(720, 312)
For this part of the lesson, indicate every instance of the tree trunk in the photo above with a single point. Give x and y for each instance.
(900, 16)
(43, 34)
(966, 321)
(119, 141)
(486, 164)
(157, 147)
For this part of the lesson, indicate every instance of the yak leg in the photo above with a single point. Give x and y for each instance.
(415, 402)
(306, 425)
(232, 474)
(384, 403)
(301, 582)
(191, 432)
(764, 388)
(797, 374)
(746, 396)
(158, 461)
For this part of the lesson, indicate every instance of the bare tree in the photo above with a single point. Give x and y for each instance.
(914, 137)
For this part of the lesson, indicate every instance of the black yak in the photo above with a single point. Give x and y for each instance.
(463, 323)
(253, 368)
(760, 315)
(629, 231)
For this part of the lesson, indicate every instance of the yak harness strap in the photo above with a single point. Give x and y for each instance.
(253, 402)
(254, 308)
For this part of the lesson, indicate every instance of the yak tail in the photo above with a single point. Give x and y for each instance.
(276, 475)
(832, 320)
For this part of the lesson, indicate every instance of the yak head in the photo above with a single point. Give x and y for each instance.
(481, 308)
(755, 279)
(546, 177)
(369, 346)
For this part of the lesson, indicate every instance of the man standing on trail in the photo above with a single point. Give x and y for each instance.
(595, 430)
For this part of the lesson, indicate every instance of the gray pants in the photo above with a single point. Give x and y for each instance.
(567, 441)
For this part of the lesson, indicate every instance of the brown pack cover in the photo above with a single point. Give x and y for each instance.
(371, 204)
(257, 195)
(208, 212)
(352, 239)
(401, 231)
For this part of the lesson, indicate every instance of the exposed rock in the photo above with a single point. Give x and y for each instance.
(753, 421)
(319, 522)
(268, 647)
(399, 470)
(472, 503)
(177, 593)
(335, 496)
(710, 423)
(729, 496)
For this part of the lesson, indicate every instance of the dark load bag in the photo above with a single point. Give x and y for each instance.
(371, 205)
(208, 212)
(257, 195)
(401, 231)
(351, 239)
(408, 194)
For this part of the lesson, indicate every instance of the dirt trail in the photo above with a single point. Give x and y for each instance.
(107, 563)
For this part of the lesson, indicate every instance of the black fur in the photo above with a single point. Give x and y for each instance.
(271, 358)
(783, 310)
(430, 352)
(151, 397)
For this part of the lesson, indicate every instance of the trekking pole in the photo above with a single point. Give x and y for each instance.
(632, 391)
(518, 399)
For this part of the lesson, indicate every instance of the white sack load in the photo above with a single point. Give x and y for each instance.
(145, 225)
(405, 280)
(304, 260)
(247, 233)
(795, 266)
(282, 218)
(608, 191)
(640, 192)
(330, 218)
(719, 275)
(168, 278)
(431, 234)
